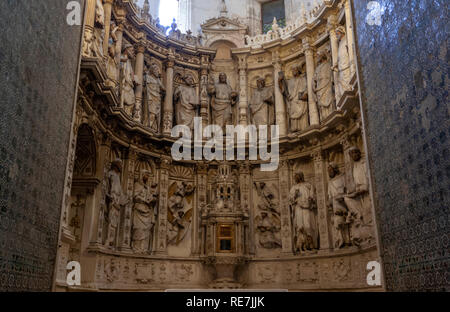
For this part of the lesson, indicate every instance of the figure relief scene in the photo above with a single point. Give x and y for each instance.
(224, 153)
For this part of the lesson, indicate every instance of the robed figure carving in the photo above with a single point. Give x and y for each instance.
(323, 86)
(304, 215)
(186, 102)
(155, 91)
(115, 200)
(144, 213)
(343, 67)
(336, 194)
(129, 80)
(222, 101)
(261, 105)
(358, 201)
(295, 92)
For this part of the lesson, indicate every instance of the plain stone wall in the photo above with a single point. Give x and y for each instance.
(404, 71)
(39, 58)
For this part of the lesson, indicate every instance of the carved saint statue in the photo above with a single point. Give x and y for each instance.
(144, 213)
(115, 199)
(336, 194)
(261, 105)
(304, 214)
(186, 102)
(129, 80)
(179, 213)
(223, 98)
(111, 67)
(112, 63)
(358, 200)
(99, 32)
(343, 65)
(155, 93)
(295, 91)
(323, 86)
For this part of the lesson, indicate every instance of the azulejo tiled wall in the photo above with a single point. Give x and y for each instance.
(404, 67)
(38, 66)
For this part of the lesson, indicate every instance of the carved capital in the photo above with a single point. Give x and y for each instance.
(345, 142)
(317, 155)
(201, 168)
(140, 47)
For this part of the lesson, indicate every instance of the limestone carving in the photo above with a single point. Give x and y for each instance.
(268, 221)
(186, 102)
(358, 200)
(336, 194)
(116, 199)
(295, 91)
(129, 80)
(302, 199)
(261, 104)
(179, 212)
(155, 93)
(323, 86)
(144, 213)
(343, 65)
(223, 98)
(99, 32)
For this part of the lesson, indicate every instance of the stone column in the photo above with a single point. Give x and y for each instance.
(139, 72)
(280, 109)
(245, 183)
(168, 103)
(310, 68)
(320, 172)
(334, 48)
(202, 184)
(286, 226)
(128, 186)
(89, 26)
(350, 36)
(100, 208)
(107, 7)
(164, 167)
(204, 98)
(243, 99)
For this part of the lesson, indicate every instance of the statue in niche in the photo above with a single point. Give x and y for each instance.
(186, 102)
(343, 67)
(268, 226)
(144, 213)
(99, 32)
(179, 213)
(358, 201)
(155, 93)
(261, 105)
(115, 200)
(223, 98)
(129, 80)
(295, 91)
(111, 67)
(336, 195)
(323, 85)
(302, 200)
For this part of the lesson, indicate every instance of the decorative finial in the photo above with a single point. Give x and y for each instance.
(223, 9)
